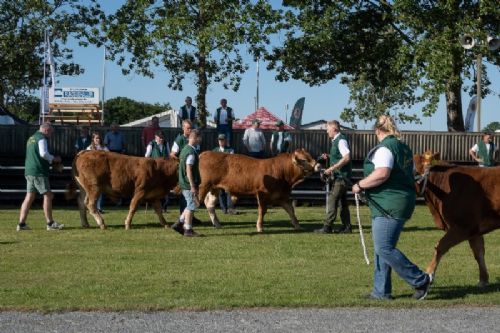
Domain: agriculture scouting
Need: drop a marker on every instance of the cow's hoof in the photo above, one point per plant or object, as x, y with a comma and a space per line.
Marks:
102, 226
217, 225
297, 227
86, 226
482, 284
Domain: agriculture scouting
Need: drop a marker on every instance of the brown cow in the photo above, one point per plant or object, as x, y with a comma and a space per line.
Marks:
121, 176
270, 180
465, 203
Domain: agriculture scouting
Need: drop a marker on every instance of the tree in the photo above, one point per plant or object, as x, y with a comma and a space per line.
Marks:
124, 110
492, 127
202, 39
393, 54
22, 43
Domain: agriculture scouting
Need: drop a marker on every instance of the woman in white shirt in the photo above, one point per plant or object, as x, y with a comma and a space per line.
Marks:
96, 144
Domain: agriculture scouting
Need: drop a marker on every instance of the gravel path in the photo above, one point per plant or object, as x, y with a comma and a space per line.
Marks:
461, 319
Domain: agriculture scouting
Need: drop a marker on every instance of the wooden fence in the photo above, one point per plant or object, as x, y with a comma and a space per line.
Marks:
453, 146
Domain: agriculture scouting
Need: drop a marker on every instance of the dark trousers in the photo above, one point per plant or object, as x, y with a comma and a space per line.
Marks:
225, 200
256, 154
227, 131
338, 197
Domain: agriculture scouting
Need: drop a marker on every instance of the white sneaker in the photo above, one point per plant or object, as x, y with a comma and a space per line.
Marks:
24, 227
55, 226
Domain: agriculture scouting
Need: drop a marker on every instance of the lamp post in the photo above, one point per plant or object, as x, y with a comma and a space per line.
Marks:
468, 42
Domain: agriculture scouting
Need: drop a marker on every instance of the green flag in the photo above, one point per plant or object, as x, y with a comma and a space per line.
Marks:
296, 117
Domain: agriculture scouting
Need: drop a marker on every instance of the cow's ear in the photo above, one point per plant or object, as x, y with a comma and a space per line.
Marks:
436, 156
294, 158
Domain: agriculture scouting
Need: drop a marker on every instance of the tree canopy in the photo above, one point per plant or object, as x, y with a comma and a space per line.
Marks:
391, 54
124, 110
22, 36
199, 40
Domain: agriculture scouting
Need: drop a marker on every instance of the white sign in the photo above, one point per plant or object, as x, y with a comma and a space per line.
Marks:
74, 96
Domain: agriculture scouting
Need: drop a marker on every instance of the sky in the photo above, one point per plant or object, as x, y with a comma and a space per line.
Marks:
322, 102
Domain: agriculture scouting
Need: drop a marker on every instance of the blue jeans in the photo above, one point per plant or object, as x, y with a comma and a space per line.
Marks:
385, 233
100, 200
227, 131
225, 200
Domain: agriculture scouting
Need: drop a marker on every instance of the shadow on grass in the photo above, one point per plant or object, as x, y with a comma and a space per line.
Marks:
456, 292
8, 242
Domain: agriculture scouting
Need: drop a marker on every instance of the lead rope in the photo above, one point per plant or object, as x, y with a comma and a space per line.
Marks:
356, 198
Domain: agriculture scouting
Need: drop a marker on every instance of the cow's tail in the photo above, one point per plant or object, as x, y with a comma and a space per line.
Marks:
72, 186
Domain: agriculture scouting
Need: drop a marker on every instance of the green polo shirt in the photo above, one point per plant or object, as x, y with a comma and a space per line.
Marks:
34, 164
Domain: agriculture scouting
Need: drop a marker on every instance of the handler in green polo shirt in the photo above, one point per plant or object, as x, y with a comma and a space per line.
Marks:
339, 172
189, 182
36, 172
390, 190
158, 147
484, 152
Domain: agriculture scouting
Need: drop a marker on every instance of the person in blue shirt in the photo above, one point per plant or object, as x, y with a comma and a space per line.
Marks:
114, 139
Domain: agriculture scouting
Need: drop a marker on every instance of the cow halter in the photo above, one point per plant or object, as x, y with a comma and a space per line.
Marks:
425, 176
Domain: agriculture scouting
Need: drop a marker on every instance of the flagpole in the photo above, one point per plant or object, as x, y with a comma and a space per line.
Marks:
41, 118
103, 85
257, 96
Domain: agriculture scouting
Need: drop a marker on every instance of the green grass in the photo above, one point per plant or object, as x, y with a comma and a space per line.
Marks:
151, 268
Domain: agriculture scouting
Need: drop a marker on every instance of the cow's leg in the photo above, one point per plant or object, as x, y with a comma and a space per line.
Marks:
210, 202
450, 239
262, 212
477, 245
159, 211
133, 207
82, 209
91, 200
288, 207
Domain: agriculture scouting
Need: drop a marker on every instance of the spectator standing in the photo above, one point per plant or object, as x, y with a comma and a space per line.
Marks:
280, 139
97, 144
114, 139
189, 182
254, 140
148, 133
390, 190
36, 171
226, 204
158, 147
189, 112
83, 140
484, 152
339, 174
224, 116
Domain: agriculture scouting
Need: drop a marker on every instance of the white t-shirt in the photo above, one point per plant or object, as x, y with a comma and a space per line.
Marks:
44, 150
475, 148
383, 158
223, 117
190, 158
343, 146
98, 147
149, 149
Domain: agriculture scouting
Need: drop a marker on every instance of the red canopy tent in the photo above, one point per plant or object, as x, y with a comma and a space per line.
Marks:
267, 118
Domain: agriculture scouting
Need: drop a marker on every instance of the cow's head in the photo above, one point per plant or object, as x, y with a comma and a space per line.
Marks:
425, 160
305, 162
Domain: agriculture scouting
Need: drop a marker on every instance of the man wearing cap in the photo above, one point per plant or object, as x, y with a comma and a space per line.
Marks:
223, 118
280, 139
254, 140
484, 152
226, 204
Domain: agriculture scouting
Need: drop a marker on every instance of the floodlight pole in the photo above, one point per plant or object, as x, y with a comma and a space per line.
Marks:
478, 90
